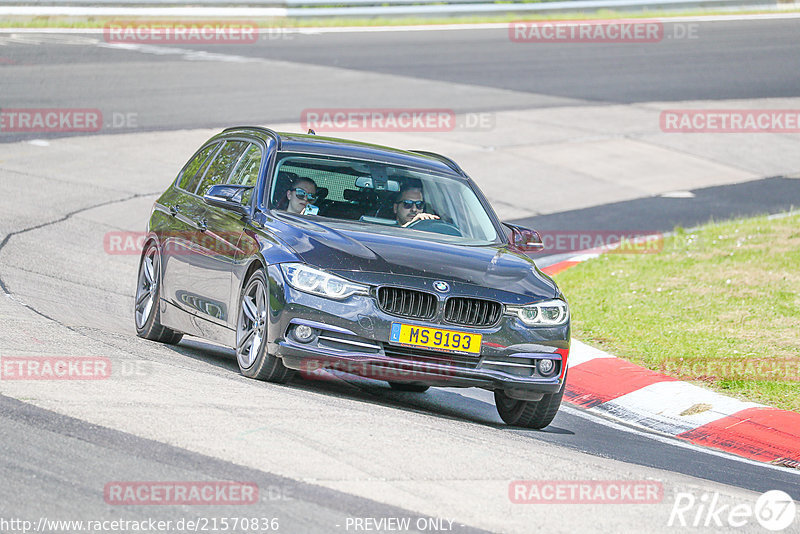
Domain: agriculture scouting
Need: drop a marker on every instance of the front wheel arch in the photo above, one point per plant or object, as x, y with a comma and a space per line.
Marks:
254, 266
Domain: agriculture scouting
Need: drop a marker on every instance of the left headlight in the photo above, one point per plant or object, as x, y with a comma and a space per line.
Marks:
549, 313
317, 282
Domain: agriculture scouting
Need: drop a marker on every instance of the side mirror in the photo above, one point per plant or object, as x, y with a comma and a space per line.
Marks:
524, 239
228, 197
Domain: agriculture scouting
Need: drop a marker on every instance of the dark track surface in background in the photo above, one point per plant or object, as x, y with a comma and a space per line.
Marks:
273, 80
660, 214
724, 60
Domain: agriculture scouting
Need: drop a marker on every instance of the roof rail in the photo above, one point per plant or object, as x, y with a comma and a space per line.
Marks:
267, 131
444, 159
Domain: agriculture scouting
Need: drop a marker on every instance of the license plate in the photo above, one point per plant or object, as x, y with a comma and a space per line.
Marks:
435, 338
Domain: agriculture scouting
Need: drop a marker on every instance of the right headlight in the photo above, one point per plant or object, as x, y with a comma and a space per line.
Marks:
318, 282
548, 313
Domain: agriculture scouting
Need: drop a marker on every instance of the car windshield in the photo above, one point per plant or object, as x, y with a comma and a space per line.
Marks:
377, 197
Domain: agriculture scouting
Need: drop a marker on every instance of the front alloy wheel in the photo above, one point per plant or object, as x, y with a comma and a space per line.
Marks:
251, 334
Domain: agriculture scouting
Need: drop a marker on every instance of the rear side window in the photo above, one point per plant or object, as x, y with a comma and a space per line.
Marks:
219, 169
246, 172
193, 170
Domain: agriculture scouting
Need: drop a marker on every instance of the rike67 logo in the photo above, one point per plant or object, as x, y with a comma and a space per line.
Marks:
774, 510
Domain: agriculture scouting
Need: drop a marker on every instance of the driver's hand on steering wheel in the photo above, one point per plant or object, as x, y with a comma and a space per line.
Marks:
421, 217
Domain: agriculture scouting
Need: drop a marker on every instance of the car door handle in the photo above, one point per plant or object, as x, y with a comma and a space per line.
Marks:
174, 210
202, 224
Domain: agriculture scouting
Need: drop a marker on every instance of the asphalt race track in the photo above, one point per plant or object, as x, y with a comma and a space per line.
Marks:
273, 79
574, 143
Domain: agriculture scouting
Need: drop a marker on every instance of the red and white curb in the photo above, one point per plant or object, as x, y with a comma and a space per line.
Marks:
607, 385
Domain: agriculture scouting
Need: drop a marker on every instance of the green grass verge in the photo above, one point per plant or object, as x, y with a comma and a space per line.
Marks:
100, 22
718, 306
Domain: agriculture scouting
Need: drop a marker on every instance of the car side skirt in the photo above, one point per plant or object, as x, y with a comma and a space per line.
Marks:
194, 325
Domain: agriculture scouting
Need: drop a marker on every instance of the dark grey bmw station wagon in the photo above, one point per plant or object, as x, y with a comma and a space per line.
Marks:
307, 253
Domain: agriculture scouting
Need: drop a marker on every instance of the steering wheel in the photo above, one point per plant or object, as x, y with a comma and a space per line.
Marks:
437, 226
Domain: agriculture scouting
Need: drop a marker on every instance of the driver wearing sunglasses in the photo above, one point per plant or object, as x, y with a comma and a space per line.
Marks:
302, 194
410, 206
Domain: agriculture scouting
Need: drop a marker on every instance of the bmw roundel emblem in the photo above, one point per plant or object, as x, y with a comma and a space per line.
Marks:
441, 287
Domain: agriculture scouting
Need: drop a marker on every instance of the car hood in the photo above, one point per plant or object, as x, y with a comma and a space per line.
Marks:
356, 253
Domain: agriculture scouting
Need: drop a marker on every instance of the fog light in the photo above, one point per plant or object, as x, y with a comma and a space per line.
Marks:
303, 333
546, 367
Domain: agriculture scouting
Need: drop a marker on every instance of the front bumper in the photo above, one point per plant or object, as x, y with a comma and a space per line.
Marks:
352, 336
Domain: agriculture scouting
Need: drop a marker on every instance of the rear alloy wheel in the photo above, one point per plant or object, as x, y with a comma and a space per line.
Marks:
251, 334
145, 309
411, 388
528, 414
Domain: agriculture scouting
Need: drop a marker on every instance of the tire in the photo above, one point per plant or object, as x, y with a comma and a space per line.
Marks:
528, 414
251, 334
411, 388
146, 313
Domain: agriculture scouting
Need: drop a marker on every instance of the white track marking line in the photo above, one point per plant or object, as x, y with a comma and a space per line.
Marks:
185, 53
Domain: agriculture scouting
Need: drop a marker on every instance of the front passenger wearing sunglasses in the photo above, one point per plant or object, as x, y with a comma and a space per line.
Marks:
410, 206
302, 196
